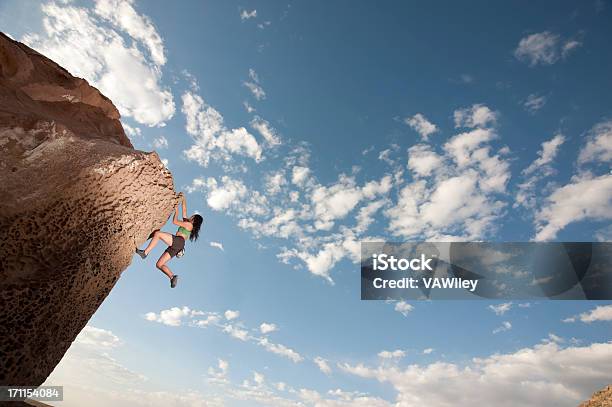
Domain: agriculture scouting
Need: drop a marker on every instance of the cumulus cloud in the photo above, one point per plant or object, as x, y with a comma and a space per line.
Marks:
583, 198
421, 125
228, 323
173, 316
544, 48
92, 44
539, 169
211, 138
396, 354
123, 15
599, 313
266, 328
547, 154
403, 308
454, 194
322, 365
92, 375
477, 115
97, 338
598, 148
280, 349
545, 375
266, 131
160, 142
423, 161
229, 314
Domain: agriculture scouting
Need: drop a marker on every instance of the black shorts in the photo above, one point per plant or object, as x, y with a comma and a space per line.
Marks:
178, 244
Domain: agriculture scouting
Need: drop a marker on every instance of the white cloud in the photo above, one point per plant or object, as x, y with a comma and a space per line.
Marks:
544, 48
173, 316
455, 192
217, 245
547, 154
599, 313
222, 196
477, 115
254, 86
230, 314
422, 160
421, 125
396, 354
91, 376
534, 102
132, 132
97, 338
266, 131
300, 175
248, 107
281, 350
160, 142
428, 351
266, 328
587, 196
403, 308
78, 39
537, 170
122, 14
569, 46
212, 139
236, 332
322, 365
275, 182
546, 375
247, 15
501, 309
256, 90
583, 198
505, 326
598, 147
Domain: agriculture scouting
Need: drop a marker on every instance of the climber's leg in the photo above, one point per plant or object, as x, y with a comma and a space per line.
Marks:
157, 236
161, 264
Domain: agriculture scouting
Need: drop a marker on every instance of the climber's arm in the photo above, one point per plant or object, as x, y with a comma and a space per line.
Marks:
184, 206
175, 219
178, 222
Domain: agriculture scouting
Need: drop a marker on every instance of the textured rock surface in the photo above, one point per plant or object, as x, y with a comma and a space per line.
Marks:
76, 200
602, 398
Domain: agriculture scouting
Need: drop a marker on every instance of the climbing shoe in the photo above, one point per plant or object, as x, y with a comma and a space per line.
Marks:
141, 253
173, 281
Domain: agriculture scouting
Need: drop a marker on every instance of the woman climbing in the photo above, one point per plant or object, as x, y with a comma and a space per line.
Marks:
189, 228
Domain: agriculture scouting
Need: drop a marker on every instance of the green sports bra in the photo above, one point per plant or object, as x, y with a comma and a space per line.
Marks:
184, 232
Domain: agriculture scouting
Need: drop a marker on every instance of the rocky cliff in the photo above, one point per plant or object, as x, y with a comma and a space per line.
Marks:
602, 398
76, 200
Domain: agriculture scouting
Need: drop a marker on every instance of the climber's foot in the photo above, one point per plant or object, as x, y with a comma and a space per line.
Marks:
141, 253
173, 281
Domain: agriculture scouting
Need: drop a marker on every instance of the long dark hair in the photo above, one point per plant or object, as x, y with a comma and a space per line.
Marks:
197, 222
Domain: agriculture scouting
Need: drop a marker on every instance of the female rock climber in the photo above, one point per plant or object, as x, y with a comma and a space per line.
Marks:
189, 228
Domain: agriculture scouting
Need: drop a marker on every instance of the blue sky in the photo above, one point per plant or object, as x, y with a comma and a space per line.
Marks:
297, 130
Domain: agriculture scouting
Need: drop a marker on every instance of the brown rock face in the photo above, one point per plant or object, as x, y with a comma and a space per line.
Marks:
76, 199
602, 398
